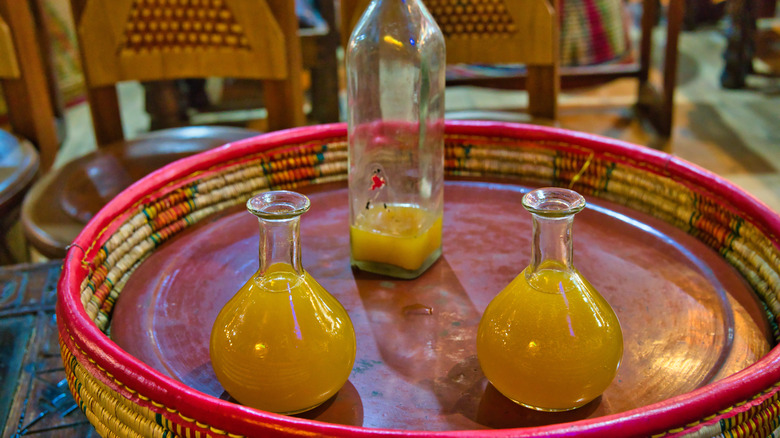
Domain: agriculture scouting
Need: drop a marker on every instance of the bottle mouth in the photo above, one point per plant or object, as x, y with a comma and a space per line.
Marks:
553, 202
278, 204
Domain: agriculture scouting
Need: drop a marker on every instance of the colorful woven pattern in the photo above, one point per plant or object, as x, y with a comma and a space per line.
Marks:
182, 25
472, 18
125, 399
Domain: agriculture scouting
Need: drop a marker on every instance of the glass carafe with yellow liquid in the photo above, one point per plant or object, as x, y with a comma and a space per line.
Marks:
549, 341
283, 343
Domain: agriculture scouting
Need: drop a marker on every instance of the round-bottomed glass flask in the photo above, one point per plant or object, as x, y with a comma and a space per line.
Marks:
549, 341
395, 66
283, 343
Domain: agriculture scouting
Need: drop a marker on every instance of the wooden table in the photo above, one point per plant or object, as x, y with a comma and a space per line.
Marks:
34, 395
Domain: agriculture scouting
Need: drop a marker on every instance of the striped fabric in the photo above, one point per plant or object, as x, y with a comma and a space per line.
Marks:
592, 31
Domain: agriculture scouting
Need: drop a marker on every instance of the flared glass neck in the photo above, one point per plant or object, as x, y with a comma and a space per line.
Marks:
279, 213
552, 210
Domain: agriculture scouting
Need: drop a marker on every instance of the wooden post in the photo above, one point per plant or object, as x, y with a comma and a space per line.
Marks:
29, 96
286, 93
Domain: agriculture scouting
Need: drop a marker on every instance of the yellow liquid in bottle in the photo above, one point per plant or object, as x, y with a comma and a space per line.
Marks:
282, 344
392, 235
550, 344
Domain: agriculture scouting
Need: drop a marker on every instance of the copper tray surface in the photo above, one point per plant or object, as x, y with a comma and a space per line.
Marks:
688, 317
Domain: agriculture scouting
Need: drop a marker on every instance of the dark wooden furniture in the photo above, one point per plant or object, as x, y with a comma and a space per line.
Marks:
18, 167
126, 40
655, 101
27, 77
505, 43
743, 38
62, 202
176, 103
319, 45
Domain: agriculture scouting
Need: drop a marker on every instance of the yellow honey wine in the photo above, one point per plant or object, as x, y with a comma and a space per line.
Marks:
550, 342
398, 235
283, 343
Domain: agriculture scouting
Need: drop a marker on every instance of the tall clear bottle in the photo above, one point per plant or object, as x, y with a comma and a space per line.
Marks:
395, 90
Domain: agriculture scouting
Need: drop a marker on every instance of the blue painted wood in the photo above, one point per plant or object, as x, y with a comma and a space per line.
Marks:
34, 395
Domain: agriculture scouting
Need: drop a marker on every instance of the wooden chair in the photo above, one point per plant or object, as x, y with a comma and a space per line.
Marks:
156, 40
495, 39
654, 101
18, 168
148, 40
319, 46
26, 77
175, 104
62, 201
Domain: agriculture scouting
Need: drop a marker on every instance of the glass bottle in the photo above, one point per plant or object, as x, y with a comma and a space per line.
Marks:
283, 343
395, 90
549, 341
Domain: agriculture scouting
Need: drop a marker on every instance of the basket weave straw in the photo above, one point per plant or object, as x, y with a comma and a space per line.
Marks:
125, 398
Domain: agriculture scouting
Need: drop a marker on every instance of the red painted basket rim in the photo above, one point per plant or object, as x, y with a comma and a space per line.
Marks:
658, 417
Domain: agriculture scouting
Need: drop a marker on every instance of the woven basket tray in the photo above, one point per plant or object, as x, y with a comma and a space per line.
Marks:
123, 396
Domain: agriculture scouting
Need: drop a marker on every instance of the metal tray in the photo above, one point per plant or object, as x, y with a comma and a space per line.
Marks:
688, 317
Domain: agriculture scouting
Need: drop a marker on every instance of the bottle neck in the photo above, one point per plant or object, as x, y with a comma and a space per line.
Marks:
280, 244
552, 246
395, 3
